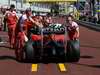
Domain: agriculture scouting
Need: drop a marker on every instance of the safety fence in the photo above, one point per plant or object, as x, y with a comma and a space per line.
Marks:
90, 25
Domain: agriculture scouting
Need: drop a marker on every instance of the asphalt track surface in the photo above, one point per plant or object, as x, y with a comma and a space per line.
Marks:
89, 63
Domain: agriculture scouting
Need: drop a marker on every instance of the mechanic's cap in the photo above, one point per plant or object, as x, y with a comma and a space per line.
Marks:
28, 10
12, 6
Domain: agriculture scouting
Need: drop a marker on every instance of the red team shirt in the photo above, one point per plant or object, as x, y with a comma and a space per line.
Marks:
11, 18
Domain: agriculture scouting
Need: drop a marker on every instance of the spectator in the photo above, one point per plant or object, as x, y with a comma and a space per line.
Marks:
4, 20
94, 19
98, 21
1, 18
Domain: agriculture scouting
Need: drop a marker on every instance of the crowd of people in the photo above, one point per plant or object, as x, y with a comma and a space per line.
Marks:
20, 26
89, 18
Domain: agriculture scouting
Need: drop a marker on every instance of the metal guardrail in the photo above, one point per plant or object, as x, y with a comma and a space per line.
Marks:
90, 25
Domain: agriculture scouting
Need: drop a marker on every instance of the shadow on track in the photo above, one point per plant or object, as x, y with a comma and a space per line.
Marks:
45, 61
7, 57
86, 57
90, 46
87, 65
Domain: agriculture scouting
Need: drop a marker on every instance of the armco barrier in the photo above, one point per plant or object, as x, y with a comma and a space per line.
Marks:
89, 25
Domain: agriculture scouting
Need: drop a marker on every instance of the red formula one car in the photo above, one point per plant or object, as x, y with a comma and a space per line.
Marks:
51, 43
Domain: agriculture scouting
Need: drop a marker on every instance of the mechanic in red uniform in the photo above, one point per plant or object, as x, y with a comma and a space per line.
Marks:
72, 27
25, 22
31, 21
11, 24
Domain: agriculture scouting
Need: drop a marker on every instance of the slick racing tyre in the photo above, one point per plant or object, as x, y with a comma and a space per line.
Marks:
73, 51
29, 51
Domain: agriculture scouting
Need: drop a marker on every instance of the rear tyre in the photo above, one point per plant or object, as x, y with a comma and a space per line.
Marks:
29, 51
73, 51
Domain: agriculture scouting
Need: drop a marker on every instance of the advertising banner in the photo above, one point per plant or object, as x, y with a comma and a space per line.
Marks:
50, 0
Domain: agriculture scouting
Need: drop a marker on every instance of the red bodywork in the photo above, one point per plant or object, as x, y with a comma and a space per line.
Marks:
53, 37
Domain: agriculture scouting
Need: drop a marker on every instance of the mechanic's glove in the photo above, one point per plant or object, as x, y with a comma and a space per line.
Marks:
25, 37
75, 37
